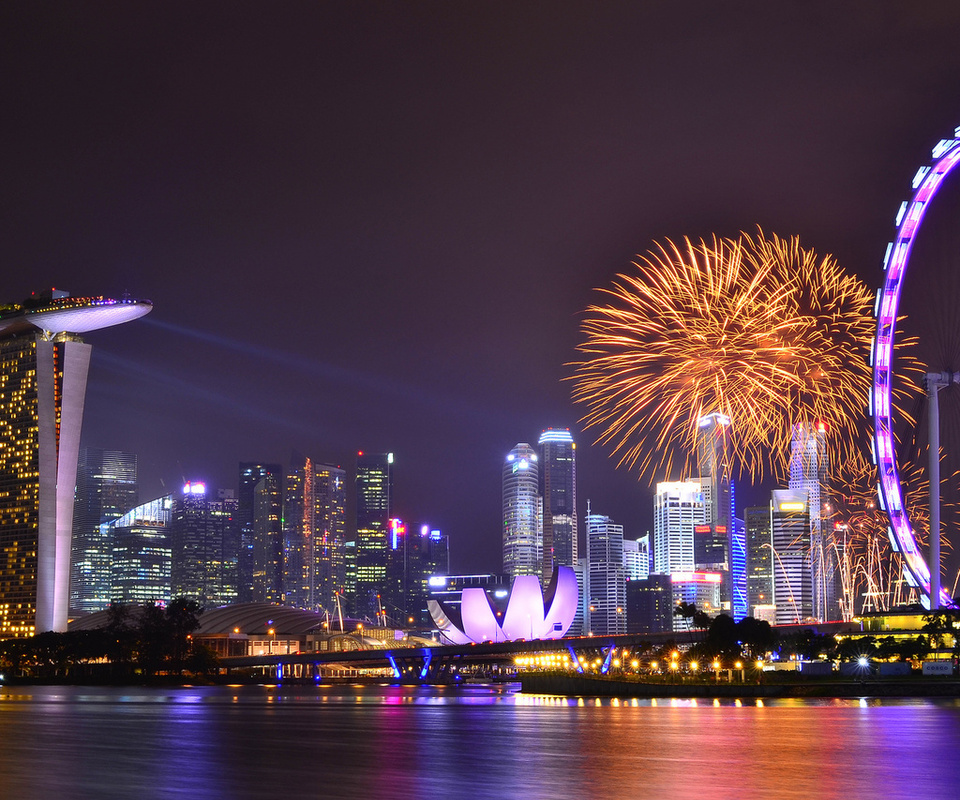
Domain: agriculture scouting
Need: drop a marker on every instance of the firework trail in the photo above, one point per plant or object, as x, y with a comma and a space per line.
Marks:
756, 328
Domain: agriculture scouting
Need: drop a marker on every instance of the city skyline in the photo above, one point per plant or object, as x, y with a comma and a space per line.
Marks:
393, 250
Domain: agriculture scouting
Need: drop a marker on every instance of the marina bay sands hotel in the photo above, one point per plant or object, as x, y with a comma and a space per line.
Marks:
43, 381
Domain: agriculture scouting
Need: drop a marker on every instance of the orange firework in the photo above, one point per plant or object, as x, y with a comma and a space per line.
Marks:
756, 328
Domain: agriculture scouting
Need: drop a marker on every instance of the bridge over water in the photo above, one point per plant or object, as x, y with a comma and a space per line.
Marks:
439, 664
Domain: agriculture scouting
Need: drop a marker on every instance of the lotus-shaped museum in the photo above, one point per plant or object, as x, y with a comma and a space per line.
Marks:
530, 614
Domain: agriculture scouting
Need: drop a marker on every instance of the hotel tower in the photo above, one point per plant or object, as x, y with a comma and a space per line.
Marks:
43, 380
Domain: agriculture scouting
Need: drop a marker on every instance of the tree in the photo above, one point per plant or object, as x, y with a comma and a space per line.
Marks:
183, 618
757, 635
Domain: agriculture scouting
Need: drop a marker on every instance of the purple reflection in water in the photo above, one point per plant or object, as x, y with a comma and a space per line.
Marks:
399, 742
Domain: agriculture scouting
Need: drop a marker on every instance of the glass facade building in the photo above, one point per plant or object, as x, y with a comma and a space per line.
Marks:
558, 488
374, 509
205, 544
759, 557
678, 507
607, 579
260, 519
106, 489
141, 556
790, 537
809, 472
522, 512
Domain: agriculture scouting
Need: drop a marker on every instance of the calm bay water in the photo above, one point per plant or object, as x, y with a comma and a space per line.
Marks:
469, 742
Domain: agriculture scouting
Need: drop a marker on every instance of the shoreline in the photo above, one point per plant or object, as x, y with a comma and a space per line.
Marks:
583, 686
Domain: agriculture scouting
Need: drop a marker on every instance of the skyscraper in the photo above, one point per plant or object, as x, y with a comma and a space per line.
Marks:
374, 509
558, 488
106, 489
329, 554
427, 556
43, 364
716, 478
260, 568
809, 472
759, 557
205, 545
608, 583
790, 536
140, 569
522, 536
315, 519
636, 558
650, 605
678, 508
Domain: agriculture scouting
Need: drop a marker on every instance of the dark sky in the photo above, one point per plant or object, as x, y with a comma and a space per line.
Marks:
375, 225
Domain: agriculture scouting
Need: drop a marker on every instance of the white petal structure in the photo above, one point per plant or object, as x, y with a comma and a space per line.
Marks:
530, 614
479, 618
450, 633
524, 615
561, 600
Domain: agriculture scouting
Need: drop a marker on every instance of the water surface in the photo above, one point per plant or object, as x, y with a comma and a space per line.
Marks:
476, 742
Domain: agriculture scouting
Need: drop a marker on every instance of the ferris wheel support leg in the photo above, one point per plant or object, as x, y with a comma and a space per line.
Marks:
934, 382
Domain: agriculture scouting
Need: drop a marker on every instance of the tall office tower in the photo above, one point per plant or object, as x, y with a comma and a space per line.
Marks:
314, 512
415, 554
329, 561
522, 512
140, 572
636, 558
716, 477
106, 489
250, 569
43, 364
346, 600
298, 522
759, 557
678, 507
428, 556
740, 600
608, 583
267, 524
650, 605
205, 545
374, 509
792, 575
809, 471
392, 595
558, 488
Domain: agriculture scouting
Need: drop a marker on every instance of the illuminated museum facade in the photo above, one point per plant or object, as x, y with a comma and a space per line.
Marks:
531, 613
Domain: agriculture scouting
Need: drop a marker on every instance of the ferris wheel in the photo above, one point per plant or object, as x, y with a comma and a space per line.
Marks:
946, 155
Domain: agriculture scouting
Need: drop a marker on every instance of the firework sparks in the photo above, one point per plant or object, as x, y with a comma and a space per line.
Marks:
756, 328
871, 572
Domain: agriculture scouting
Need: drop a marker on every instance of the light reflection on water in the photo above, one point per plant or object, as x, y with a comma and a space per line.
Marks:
390, 742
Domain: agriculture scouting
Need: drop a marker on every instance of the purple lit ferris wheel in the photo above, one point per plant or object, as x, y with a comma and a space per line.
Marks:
946, 155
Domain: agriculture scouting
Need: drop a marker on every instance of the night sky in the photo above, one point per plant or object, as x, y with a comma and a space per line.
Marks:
375, 225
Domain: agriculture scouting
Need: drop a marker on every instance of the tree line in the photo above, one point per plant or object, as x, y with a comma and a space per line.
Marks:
138, 641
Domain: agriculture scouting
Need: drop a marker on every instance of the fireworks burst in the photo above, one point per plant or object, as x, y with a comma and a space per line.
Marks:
871, 572
756, 328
